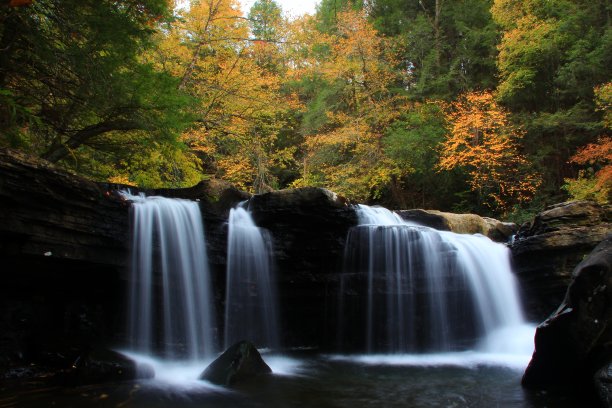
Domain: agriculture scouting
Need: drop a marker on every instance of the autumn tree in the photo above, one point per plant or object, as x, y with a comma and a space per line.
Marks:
240, 111
484, 142
349, 108
551, 56
594, 179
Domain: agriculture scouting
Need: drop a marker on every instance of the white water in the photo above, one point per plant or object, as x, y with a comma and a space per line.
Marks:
250, 305
176, 376
432, 291
170, 303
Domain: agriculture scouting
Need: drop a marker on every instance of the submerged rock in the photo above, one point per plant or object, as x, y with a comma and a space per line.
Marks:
573, 347
239, 363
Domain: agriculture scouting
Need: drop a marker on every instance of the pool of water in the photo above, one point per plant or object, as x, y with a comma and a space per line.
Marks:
313, 380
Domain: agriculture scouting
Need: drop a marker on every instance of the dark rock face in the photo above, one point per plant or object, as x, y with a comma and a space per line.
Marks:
239, 363
603, 385
546, 252
575, 343
63, 243
309, 227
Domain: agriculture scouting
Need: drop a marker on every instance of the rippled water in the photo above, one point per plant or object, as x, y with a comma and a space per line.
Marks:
467, 379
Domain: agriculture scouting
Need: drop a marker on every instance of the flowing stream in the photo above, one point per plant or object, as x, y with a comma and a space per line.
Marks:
439, 323
250, 300
417, 289
170, 303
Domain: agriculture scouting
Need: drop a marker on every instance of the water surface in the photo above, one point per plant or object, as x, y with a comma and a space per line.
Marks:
469, 379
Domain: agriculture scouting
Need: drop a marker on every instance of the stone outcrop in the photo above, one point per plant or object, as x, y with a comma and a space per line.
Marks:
461, 223
63, 243
573, 347
546, 251
241, 362
309, 227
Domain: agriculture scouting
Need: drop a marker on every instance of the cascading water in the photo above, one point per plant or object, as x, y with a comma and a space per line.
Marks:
419, 289
171, 310
250, 310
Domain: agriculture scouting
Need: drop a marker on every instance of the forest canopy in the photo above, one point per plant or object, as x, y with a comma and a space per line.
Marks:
495, 107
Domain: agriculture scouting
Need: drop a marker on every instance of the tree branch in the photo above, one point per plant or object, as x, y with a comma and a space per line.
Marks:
60, 150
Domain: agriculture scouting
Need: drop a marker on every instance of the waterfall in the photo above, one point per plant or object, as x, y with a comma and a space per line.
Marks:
418, 289
250, 303
170, 302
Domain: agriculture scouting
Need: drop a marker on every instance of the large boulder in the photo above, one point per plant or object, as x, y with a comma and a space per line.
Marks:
573, 347
546, 251
461, 223
241, 362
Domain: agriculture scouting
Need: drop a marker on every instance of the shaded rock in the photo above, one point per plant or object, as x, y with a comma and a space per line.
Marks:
101, 365
64, 247
461, 223
545, 252
239, 363
73, 366
51, 215
575, 342
309, 227
603, 385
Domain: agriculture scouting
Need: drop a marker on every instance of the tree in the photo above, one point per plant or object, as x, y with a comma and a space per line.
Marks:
411, 142
73, 74
447, 46
483, 141
328, 12
241, 111
551, 56
595, 181
352, 104
265, 18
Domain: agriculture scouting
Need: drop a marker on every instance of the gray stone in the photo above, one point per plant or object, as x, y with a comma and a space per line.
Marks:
240, 363
546, 251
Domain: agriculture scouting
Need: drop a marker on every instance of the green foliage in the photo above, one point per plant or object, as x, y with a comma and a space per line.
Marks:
411, 141
351, 99
585, 187
73, 71
551, 56
445, 52
265, 17
328, 10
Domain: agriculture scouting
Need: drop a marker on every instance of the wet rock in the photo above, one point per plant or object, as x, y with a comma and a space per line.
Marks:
575, 342
546, 251
238, 364
461, 223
